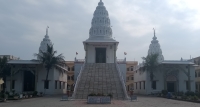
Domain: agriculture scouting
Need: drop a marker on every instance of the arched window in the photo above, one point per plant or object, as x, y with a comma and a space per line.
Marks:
69, 69
73, 68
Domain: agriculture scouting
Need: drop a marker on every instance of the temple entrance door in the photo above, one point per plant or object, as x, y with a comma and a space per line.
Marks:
100, 55
171, 86
171, 83
29, 81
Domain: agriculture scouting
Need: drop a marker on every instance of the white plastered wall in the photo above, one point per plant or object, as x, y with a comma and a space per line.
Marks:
91, 54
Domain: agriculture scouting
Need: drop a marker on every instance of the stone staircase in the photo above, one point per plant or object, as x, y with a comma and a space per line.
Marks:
99, 78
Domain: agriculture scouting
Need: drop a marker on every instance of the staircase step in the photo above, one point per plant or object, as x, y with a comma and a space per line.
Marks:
99, 78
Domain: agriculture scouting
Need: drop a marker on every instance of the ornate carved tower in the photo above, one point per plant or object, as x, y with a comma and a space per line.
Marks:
100, 47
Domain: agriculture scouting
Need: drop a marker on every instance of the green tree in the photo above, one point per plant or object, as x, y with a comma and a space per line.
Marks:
4, 70
151, 65
49, 60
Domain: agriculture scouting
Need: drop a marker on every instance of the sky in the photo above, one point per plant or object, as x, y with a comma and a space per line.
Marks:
177, 22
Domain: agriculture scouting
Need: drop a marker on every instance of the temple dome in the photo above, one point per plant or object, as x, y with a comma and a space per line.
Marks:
100, 26
154, 48
46, 40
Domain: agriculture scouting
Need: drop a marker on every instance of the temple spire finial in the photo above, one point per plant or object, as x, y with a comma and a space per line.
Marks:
47, 30
154, 32
100, 0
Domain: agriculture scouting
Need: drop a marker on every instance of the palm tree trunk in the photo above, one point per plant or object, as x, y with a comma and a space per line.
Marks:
46, 78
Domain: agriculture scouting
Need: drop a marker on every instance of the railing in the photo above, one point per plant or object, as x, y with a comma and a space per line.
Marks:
79, 60
185, 60
122, 81
77, 81
121, 60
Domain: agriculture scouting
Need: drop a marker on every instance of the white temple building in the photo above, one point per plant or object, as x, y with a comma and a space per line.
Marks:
29, 75
100, 71
173, 75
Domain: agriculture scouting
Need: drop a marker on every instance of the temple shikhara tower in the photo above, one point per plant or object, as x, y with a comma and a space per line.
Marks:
100, 47
100, 73
154, 48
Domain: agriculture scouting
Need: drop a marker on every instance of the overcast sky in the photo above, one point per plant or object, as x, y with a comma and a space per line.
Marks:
177, 22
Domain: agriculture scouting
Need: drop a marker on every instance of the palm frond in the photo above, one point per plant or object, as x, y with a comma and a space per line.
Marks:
151, 64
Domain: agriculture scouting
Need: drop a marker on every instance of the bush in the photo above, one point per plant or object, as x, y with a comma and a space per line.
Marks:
16, 94
164, 92
110, 95
184, 97
189, 93
194, 98
1, 95
35, 93
92, 94
99, 94
7, 93
180, 93
197, 94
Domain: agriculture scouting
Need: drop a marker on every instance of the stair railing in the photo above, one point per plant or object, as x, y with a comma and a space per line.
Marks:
122, 81
77, 81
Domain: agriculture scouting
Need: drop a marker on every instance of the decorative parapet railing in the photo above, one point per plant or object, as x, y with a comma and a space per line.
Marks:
122, 81
79, 60
121, 60
78, 80
184, 60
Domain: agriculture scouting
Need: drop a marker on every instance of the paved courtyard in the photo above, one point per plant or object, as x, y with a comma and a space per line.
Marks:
55, 102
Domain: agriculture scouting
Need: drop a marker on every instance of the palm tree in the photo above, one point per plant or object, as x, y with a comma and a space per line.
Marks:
4, 70
49, 60
151, 65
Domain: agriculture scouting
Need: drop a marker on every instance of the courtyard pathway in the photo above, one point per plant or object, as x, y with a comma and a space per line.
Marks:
55, 102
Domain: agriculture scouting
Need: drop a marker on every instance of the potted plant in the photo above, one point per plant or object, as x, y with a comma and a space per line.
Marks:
13, 91
164, 93
30, 95
41, 94
21, 96
26, 95
35, 93
16, 96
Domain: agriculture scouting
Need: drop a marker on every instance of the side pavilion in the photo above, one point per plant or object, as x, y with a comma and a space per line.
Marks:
29, 76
